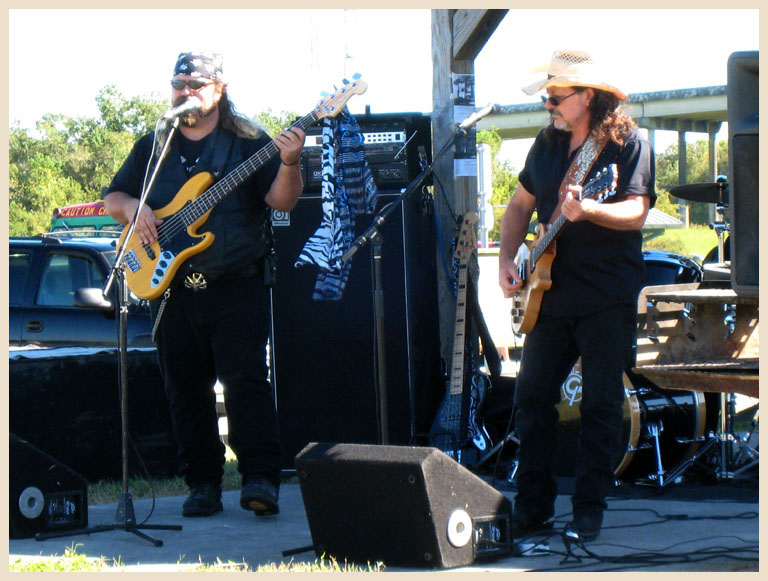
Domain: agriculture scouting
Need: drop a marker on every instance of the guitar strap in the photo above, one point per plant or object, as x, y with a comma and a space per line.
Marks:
492, 358
579, 170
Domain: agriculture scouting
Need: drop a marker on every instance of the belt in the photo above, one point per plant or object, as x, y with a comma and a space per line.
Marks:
197, 281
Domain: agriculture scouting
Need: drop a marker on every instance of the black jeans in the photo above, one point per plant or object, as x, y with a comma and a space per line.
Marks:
222, 332
604, 341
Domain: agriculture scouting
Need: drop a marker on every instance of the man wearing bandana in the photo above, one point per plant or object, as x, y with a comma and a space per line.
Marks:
214, 320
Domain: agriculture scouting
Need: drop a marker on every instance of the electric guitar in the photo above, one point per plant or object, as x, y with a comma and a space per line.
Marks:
151, 267
456, 428
534, 258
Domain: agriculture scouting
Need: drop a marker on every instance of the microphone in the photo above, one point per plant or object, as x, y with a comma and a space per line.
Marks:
187, 106
477, 115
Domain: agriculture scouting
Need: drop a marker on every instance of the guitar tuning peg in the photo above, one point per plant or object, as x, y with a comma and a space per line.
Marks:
356, 76
345, 81
324, 93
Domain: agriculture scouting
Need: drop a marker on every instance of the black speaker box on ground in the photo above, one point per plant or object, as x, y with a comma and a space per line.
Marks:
401, 505
324, 352
45, 495
743, 141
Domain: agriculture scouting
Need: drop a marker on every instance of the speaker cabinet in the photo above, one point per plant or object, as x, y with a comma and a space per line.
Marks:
45, 495
324, 352
743, 136
403, 506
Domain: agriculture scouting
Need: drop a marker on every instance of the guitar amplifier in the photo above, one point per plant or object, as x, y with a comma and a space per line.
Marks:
395, 146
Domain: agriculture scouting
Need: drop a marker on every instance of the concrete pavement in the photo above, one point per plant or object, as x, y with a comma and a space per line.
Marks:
679, 528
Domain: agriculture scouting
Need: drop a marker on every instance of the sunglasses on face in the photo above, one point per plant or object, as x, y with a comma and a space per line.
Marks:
555, 101
194, 85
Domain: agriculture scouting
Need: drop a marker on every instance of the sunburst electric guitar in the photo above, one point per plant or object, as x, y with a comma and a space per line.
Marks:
534, 258
150, 268
456, 429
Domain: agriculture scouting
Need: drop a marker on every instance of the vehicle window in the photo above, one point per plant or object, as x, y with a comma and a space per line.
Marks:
62, 275
18, 267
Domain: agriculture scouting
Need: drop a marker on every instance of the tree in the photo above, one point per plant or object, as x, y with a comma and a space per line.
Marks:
504, 181
75, 157
697, 160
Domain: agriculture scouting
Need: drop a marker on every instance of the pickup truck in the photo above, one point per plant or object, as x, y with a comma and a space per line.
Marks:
45, 271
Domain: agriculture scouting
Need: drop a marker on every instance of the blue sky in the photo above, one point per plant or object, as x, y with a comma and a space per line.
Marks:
284, 59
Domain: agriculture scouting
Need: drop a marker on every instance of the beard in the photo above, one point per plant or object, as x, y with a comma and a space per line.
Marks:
192, 118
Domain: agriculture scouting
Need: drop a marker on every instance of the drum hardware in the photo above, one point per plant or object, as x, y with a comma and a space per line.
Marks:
734, 455
729, 319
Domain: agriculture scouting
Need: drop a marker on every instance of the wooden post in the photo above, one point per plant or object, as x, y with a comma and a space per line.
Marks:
457, 37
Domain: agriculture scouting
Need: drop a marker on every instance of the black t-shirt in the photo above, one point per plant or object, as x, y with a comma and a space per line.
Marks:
239, 220
594, 266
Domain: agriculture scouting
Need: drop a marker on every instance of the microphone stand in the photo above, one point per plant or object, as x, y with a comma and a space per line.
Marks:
373, 235
125, 518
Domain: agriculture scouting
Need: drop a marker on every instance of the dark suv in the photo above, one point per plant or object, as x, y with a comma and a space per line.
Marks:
44, 273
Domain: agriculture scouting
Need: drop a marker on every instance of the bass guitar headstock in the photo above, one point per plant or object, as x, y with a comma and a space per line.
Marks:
332, 104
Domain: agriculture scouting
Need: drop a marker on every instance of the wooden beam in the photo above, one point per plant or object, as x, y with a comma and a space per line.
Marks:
472, 29
457, 37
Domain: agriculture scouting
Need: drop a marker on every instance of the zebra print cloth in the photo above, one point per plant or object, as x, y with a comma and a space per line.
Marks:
347, 191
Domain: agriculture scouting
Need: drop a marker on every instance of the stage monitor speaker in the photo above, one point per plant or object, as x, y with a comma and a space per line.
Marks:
324, 352
45, 495
400, 505
743, 132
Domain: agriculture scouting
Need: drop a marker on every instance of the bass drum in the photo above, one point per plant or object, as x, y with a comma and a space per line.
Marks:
663, 267
680, 419
678, 414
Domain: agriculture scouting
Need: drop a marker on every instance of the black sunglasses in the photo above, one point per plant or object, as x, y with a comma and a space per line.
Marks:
194, 85
555, 101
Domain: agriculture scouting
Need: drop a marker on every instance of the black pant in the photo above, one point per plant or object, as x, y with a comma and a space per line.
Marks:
222, 332
604, 341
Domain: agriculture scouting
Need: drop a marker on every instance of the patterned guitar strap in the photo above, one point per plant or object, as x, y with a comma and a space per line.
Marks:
580, 167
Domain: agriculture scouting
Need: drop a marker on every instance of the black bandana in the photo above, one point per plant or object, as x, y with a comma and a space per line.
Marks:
200, 64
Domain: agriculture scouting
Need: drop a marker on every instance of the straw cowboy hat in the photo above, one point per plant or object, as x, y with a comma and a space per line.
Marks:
572, 68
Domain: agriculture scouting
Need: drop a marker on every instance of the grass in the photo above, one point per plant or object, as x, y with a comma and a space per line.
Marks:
108, 491
74, 561
695, 241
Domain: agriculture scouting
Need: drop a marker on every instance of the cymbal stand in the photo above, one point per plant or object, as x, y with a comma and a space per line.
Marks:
720, 226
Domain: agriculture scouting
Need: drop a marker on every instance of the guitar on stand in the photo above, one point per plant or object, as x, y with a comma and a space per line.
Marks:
151, 267
534, 259
456, 429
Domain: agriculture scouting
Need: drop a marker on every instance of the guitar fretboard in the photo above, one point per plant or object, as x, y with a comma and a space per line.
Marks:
457, 372
232, 180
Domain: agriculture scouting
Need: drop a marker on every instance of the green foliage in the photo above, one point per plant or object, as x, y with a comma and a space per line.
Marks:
275, 123
505, 178
70, 159
697, 160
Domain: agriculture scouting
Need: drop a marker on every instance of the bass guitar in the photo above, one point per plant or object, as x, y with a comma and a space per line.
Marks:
150, 268
534, 258
456, 429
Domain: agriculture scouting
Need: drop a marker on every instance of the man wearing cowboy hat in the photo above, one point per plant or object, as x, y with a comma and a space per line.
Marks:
597, 273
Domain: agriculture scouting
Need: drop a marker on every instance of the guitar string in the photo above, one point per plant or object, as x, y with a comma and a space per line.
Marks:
191, 212
172, 227
555, 227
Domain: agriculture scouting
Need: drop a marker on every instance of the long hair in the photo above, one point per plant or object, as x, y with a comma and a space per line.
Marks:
229, 118
234, 121
607, 118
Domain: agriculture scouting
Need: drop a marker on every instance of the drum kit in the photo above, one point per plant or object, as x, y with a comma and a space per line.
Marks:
666, 431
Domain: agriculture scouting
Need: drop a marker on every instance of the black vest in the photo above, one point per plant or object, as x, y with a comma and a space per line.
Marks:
239, 222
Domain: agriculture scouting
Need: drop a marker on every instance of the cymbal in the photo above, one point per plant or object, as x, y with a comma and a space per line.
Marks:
707, 192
